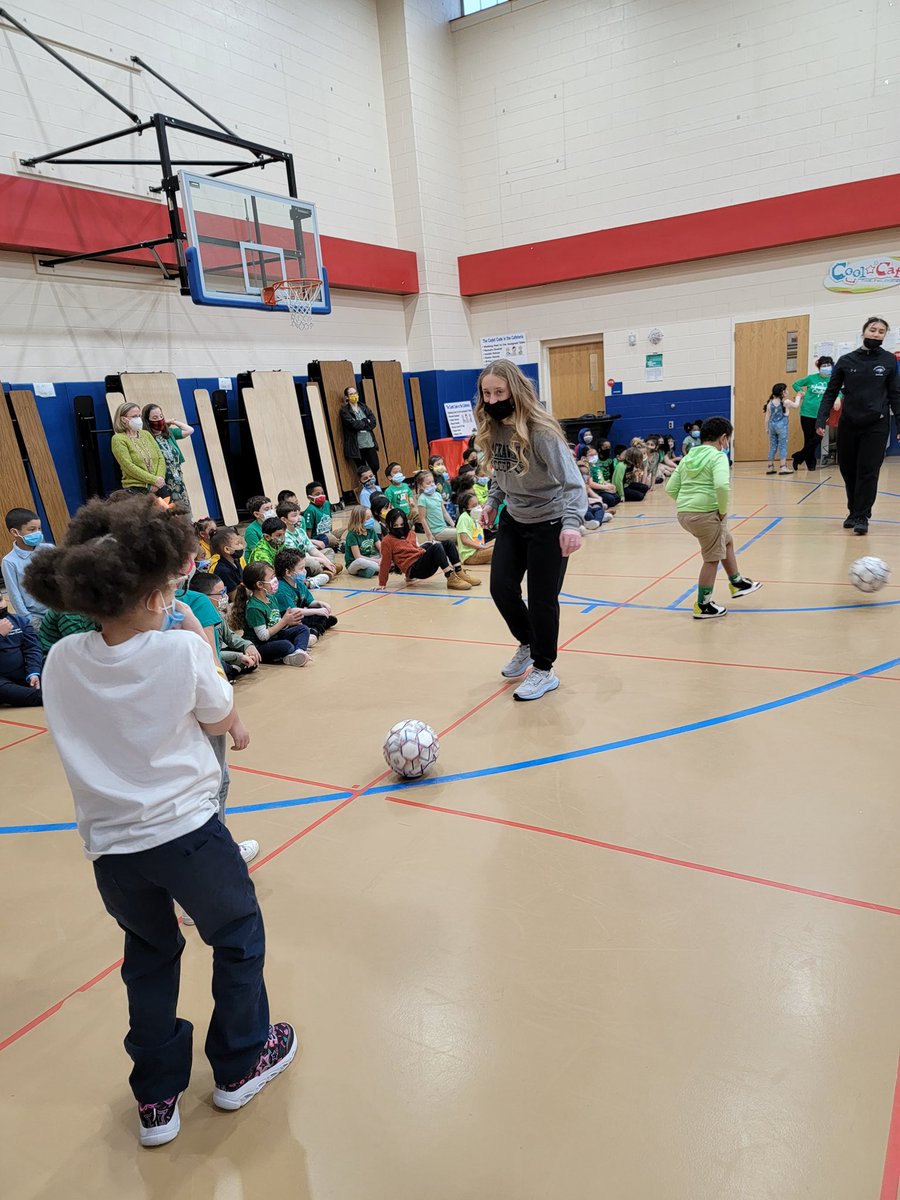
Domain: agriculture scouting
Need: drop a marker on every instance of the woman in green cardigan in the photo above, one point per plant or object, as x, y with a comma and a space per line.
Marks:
137, 453
167, 435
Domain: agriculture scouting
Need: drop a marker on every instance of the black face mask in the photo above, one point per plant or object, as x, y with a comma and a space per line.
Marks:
606, 451
872, 343
500, 409
400, 531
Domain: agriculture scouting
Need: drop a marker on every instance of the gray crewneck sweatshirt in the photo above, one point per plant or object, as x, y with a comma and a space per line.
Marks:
551, 490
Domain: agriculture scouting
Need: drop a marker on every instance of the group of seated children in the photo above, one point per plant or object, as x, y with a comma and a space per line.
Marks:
624, 473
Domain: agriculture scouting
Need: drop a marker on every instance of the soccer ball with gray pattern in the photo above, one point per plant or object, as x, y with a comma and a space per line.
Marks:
410, 748
869, 574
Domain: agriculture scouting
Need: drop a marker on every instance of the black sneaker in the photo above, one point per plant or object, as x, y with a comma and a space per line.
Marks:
743, 587
159, 1122
850, 523
703, 612
861, 526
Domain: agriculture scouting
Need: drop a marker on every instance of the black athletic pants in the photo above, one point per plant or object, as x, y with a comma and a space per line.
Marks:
531, 550
438, 556
367, 457
811, 440
860, 455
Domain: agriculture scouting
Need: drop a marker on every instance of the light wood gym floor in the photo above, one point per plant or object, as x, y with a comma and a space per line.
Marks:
636, 941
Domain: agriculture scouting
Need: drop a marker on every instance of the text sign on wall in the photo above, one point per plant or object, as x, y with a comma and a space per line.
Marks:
863, 274
504, 345
460, 418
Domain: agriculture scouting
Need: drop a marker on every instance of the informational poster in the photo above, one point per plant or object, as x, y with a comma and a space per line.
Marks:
44, 389
224, 383
653, 368
504, 345
824, 349
460, 418
845, 348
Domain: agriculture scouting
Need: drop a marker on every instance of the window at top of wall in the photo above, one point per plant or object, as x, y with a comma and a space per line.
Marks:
474, 6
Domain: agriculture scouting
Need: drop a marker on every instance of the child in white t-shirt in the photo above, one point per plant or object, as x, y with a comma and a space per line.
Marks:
131, 710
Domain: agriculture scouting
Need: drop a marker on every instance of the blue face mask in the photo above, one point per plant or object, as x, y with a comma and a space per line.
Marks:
695, 434
33, 539
429, 490
172, 618
825, 372
482, 479
397, 477
370, 522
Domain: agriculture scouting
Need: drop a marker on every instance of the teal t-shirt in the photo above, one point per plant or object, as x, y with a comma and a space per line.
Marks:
260, 612
815, 389
400, 496
205, 612
252, 534
434, 511
365, 541
292, 595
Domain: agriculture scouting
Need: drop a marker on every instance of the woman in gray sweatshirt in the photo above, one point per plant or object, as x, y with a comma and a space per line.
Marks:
535, 474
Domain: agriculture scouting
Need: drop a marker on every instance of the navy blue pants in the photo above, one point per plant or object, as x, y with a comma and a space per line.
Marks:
204, 872
289, 639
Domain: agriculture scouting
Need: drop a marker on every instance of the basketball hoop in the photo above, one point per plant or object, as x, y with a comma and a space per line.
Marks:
299, 295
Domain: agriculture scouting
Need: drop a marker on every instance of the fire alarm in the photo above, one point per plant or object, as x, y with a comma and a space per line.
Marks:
655, 336
632, 339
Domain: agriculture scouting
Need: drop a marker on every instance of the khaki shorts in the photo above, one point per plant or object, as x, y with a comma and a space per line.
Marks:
711, 531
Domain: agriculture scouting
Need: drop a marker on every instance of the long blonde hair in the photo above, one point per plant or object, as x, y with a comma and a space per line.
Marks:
119, 418
527, 416
357, 522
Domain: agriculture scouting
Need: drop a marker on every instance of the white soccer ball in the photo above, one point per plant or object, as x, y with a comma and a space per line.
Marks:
869, 574
410, 748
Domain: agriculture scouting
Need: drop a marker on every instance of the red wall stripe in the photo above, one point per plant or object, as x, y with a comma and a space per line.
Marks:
781, 221
38, 216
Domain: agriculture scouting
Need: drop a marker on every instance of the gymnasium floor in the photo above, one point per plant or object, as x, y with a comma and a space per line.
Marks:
636, 941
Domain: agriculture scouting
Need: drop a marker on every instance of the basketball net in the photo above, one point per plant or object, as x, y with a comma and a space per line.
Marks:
299, 295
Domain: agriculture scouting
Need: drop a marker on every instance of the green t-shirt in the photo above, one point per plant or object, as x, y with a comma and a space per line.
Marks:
602, 469
469, 526
260, 612
400, 496
57, 625
252, 534
318, 521
434, 511
293, 595
815, 389
295, 538
365, 541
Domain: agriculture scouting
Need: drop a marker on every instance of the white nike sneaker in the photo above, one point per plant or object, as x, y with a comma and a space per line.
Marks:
518, 664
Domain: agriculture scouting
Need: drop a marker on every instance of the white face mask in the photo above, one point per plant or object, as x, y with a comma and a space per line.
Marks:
270, 512
222, 602
135, 423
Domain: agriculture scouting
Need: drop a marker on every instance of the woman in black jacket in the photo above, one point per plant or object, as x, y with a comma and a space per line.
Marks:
869, 380
359, 421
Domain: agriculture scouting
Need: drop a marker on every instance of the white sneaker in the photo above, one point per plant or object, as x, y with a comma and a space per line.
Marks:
299, 658
537, 683
318, 580
248, 849
607, 517
312, 640
518, 664
591, 525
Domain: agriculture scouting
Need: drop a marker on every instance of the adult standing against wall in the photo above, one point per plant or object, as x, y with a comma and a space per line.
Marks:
535, 474
813, 389
137, 453
167, 435
359, 421
869, 380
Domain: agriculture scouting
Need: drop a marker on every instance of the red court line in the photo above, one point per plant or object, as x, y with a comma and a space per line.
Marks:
890, 1180
421, 637
631, 599
650, 857
332, 787
357, 792
19, 741
24, 725
362, 603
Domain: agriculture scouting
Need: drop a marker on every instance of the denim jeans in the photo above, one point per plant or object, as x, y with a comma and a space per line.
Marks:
778, 439
204, 872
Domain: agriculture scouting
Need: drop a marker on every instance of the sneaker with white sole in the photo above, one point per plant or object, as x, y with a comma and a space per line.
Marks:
743, 587
318, 580
299, 658
590, 526
248, 849
537, 684
277, 1054
703, 612
518, 664
160, 1122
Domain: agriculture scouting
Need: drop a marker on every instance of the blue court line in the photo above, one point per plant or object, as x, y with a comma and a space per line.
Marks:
740, 550
815, 489
67, 826
640, 739
530, 763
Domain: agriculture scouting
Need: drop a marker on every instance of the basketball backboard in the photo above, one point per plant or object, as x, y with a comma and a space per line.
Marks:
241, 241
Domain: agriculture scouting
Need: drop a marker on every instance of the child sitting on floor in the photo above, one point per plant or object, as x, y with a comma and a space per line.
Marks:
259, 508
55, 626
320, 568
227, 560
399, 548
270, 543
25, 527
629, 476
433, 513
318, 519
294, 595
237, 654
205, 530
20, 661
400, 493
255, 613
362, 544
473, 551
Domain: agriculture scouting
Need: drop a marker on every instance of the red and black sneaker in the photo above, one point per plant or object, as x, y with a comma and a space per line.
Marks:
160, 1122
277, 1054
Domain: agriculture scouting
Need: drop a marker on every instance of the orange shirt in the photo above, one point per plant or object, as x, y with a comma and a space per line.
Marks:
399, 552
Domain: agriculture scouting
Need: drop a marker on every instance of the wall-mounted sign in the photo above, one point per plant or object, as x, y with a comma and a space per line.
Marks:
863, 274
460, 418
653, 368
504, 345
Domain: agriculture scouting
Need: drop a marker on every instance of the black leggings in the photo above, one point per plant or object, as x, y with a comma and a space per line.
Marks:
811, 440
367, 456
438, 556
636, 491
533, 550
860, 455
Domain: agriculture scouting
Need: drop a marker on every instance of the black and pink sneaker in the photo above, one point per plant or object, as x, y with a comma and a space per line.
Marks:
160, 1122
278, 1053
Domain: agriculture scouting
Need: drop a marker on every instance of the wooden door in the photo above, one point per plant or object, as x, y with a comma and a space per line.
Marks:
765, 353
576, 379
